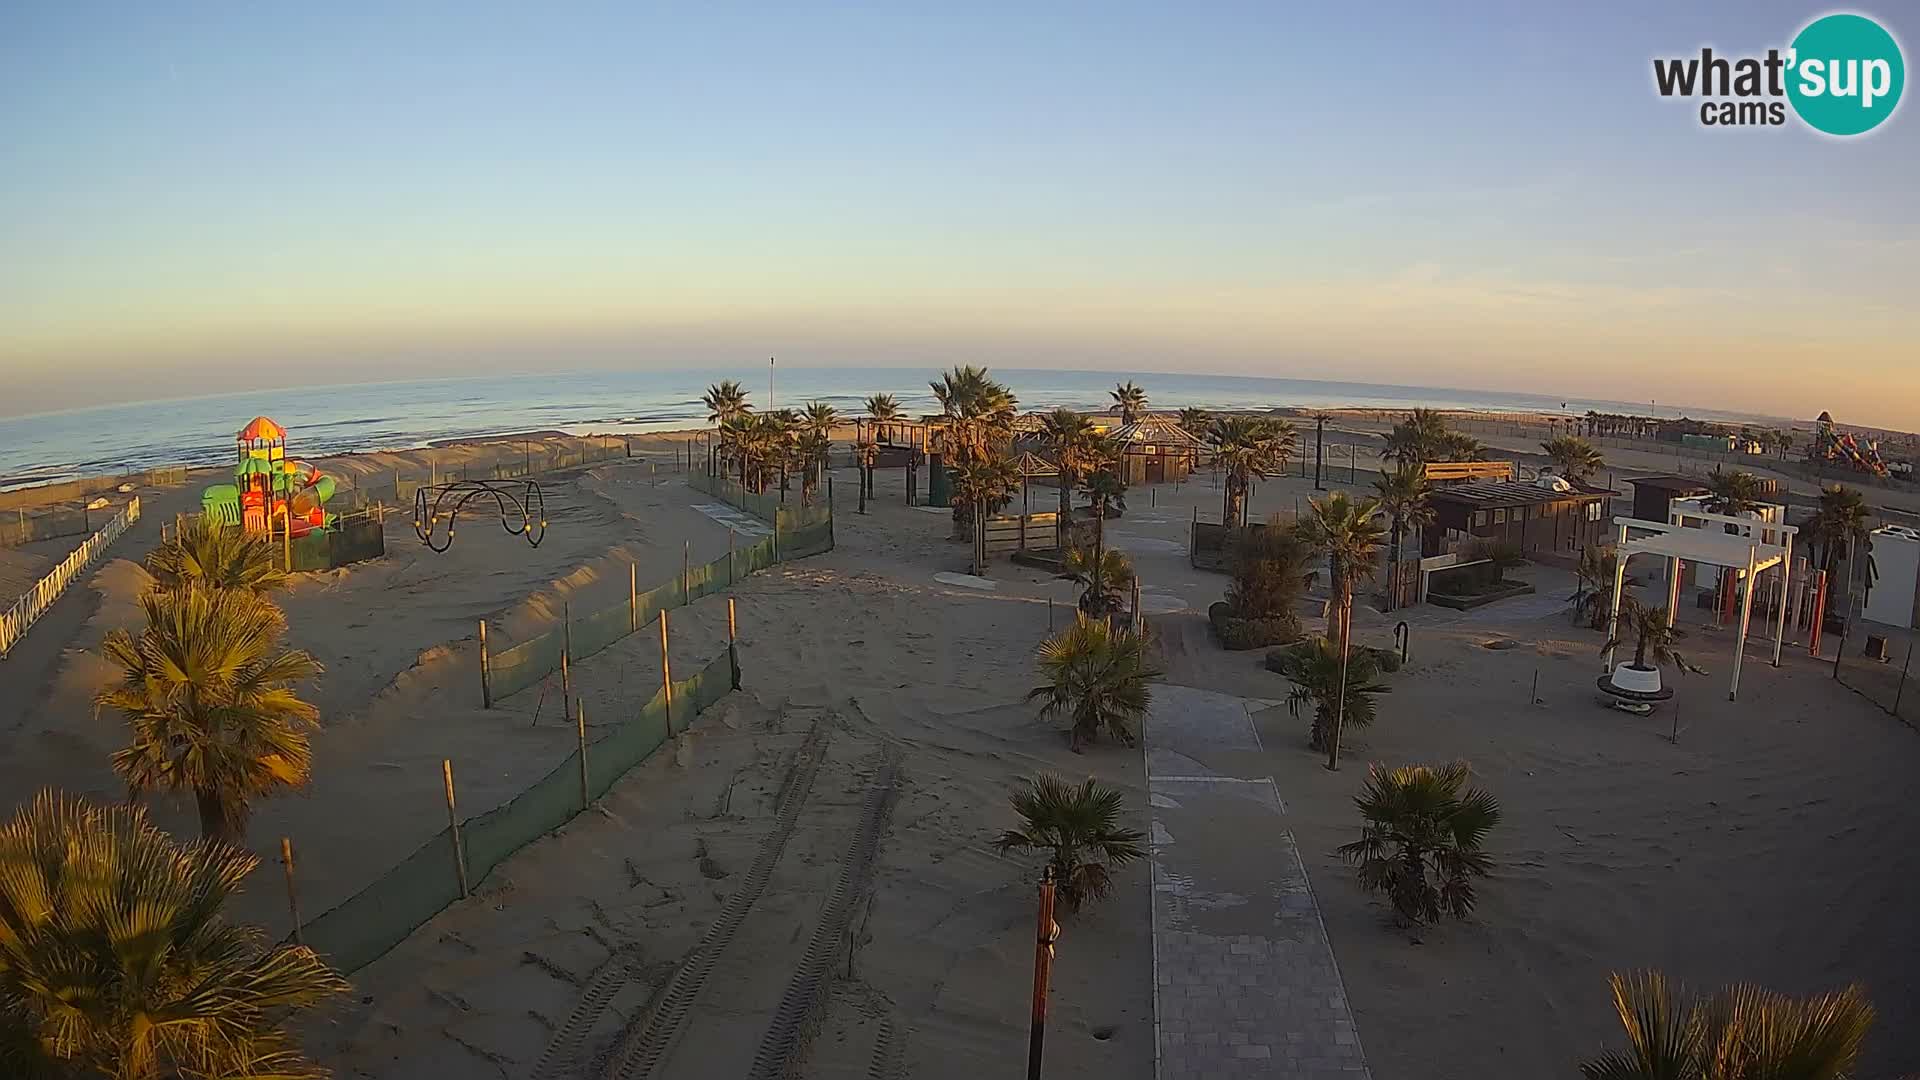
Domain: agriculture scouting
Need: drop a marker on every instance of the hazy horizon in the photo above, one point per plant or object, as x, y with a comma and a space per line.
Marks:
202, 198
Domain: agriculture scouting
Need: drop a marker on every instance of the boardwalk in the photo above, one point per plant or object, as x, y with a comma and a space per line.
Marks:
1245, 980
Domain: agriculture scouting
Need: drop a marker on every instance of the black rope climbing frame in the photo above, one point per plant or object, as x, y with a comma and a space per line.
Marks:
523, 509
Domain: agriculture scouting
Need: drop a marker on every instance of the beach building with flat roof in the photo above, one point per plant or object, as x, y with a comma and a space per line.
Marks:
1551, 518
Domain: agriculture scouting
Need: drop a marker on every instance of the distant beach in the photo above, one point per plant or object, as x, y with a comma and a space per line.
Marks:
51, 447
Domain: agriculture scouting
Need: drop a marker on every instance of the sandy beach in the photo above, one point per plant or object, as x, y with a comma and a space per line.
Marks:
879, 700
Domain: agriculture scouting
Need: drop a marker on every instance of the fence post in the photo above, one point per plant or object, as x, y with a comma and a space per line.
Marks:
732, 574
453, 826
633, 598
566, 658
293, 897
666, 671
486, 670
732, 648
586, 799
776, 534
686, 571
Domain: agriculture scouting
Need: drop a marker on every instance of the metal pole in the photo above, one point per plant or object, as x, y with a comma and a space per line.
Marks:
633, 598
293, 896
686, 571
1319, 450
1046, 932
1901, 690
1746, 619
732, 575
733, 649
580, 728
453, 827
486, 670
566, 658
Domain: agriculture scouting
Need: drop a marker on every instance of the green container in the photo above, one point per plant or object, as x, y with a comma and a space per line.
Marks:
939, 482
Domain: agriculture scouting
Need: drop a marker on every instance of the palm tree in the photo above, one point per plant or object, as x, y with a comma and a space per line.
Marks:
1130, 400
725, 401
883, 408
1315, 673
1420, 438
985, 485
1742, 1033
738, 435
1732, 491
1097, 678
1459, 446
1594, 574
817, 422
218, 556
979, 416
1348, 534
1079, 828
205, 690
115, 959
1196, 421
1421, 842
1248, 448
1403, 495
1653, 636
779, 442
1269, 571
1841, 523
1107, 576
1077, 449
1574, 456
1104, 491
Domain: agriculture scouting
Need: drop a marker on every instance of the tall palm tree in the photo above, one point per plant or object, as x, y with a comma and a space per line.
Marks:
1196, 421
1403, 495
1079, 827
1317, 680
1420, 438
725, 401
205, 691
1130, 400
1842, 522
1574, 456
1096, 678
218, 556
739, 438
1077, 448
883, 408
115, 959
1104, 491
978, 415
985, 485
817, 422
1732, 491
1422, 840
1348, 534
1248, 448
1743, 1032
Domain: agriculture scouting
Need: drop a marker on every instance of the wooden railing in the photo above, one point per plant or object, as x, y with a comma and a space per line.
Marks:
28, 609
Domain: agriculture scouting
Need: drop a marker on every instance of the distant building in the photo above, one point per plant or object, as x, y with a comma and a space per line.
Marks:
1549, 518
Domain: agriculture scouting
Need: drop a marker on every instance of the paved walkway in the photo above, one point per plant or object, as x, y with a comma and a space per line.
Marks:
1245, 980
737, 520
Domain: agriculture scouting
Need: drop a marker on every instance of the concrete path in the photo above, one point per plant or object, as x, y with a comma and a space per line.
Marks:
1245, 980
737, 520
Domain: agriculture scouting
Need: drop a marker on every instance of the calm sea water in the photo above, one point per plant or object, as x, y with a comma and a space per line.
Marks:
383, 416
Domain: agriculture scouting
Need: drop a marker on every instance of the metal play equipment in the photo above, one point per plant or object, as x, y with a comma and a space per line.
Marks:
522, 507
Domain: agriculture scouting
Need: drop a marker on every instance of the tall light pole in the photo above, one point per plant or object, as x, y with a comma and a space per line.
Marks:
769, 382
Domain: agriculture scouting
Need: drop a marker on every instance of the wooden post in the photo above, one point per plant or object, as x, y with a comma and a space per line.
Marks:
666, 671
1049, 614
453, 826
286, 518
733, 651
1046, 932
486, 670
686, 571
566, 658
293, 896
633, 598
580, 727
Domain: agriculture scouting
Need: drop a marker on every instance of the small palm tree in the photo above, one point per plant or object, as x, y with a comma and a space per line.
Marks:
1130, 400
1078, 450
115, 960
1316, 677
1420, 438
1742, 1033
1269, 571
1247, 448
883, 408
1574, 456
1403, 495
1422, 839
1594, 574
1732, 491
1107, 576
1459, 446
1097, 678
1196, 421
1652, 637
1841, 522
217, 556
1079, 827
205, 690
725, 401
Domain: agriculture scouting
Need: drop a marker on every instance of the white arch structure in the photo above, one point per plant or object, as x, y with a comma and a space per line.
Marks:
1745, 551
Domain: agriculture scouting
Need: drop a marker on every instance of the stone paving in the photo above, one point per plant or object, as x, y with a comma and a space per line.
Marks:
1245, 979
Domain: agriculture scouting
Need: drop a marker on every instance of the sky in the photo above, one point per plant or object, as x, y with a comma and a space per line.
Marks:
197, 198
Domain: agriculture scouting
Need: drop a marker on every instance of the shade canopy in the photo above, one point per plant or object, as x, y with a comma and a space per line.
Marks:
261, 429
1705, 546
1159, 432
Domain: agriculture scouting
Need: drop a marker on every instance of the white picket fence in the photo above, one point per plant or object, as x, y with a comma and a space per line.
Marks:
25, 611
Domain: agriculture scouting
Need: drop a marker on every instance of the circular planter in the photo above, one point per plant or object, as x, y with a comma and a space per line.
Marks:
1636, 680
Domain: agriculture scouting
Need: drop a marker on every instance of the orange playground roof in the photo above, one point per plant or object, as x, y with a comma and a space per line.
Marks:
261, 429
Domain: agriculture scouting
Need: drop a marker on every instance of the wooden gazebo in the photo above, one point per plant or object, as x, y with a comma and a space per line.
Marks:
1157, 450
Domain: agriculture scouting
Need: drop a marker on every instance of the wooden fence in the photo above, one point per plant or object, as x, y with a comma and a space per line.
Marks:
1022, 532
28, 609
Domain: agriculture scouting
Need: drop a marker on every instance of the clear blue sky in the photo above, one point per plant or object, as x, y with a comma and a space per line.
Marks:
233, 196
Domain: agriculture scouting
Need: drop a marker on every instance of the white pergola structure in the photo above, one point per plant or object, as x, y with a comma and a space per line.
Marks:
1745, 550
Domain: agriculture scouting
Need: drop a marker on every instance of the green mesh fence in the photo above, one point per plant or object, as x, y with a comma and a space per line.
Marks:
526, 663
380, 916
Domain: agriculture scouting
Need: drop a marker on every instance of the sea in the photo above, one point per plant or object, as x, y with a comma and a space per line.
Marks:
322, 420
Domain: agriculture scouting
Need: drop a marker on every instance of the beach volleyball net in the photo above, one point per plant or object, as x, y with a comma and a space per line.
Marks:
364, 927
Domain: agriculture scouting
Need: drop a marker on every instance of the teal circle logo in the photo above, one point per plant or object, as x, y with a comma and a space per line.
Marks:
1845, 74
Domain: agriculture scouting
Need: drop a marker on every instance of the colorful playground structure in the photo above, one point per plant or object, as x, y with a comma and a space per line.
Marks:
1842, 448
270, 495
